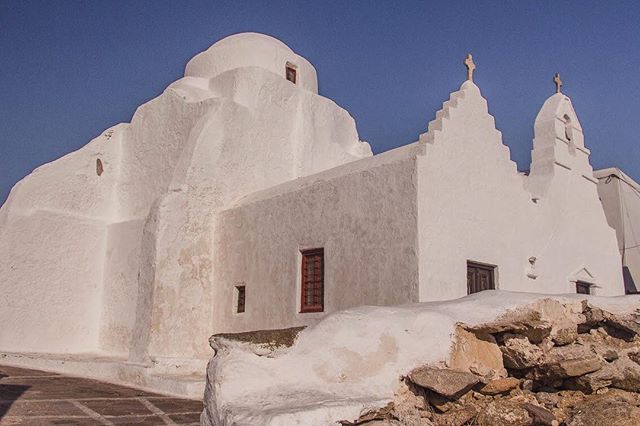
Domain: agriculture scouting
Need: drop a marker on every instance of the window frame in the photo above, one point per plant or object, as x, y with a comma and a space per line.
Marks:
585, 285
306, 256
241, 299
492, 269
290, 68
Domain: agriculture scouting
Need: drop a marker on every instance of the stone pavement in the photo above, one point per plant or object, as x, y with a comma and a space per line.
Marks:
34, 398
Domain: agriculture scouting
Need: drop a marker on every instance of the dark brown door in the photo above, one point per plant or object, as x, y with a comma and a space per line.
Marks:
479, 277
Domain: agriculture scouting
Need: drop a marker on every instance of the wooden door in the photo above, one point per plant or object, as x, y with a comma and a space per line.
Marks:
479, 277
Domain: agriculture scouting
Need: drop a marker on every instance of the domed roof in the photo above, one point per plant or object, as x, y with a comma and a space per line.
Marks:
254, 39
252, 50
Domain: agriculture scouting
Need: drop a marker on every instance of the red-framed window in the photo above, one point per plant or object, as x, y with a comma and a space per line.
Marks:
291, 74
312, 297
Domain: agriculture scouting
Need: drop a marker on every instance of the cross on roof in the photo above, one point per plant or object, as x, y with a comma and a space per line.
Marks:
558, 82
468, 62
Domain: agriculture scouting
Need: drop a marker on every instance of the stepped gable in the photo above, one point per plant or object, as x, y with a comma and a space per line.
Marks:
466, 108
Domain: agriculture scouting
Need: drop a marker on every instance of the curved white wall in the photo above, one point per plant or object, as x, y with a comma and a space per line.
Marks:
252, 50
100, 262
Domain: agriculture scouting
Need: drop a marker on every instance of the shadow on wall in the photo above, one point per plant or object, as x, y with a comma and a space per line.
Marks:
8, 395
629, 285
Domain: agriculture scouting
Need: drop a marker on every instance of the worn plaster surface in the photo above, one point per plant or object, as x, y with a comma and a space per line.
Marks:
121, 259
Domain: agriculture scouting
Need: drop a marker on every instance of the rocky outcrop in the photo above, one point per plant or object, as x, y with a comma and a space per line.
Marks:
493, 358
448, 383
553, 363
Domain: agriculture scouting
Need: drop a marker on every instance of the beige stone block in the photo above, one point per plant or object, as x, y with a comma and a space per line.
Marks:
481, 356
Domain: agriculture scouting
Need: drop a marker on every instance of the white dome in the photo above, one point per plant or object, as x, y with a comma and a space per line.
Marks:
252, 50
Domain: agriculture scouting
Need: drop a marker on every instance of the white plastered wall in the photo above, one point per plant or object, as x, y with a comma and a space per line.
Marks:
574, 241
472, 202
542, 232
145, 257
125, 257
52, 245
263, 131
46, 308
362, 214
620, 196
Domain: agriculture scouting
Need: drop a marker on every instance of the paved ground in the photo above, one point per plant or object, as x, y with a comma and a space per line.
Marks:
34, 398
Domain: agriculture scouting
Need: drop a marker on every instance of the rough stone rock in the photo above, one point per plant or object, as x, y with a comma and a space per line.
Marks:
457, 417
565, 336
610, 409
594, 317
384, 413
519, 396
629, 379
413, 419
548, 400
567, 401
518, 353
609, 355
477, 353
524, 321
573, 367
564, 319
547, 344
498, 386
504, 413
540, 415
409, 395
569, 352
448, 383
592, 382
441, 403
621, 373
629, 326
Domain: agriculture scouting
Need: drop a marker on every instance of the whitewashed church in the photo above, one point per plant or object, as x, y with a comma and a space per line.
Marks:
241, 199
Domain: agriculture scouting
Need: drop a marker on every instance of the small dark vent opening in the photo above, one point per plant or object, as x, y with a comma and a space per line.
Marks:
242, 295
291, 74
583, 288
99, 167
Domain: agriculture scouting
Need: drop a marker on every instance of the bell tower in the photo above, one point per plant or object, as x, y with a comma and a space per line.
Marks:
558, 145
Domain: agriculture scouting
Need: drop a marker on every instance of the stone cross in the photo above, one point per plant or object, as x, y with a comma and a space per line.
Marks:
468, 62
558, 82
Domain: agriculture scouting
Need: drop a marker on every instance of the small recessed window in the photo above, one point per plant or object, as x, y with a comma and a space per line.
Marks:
568, 131
99, 167
583, 288
312, 297
291, 74
241, 296
480, 277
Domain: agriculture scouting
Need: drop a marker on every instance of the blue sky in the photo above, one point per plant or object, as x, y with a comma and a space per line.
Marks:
70, 69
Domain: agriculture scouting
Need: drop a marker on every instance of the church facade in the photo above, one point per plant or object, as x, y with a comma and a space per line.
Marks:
240, 199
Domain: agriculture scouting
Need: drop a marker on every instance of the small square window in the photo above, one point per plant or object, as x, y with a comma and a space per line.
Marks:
291, 74
312, 297
583, 288
242, 294
480, 277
